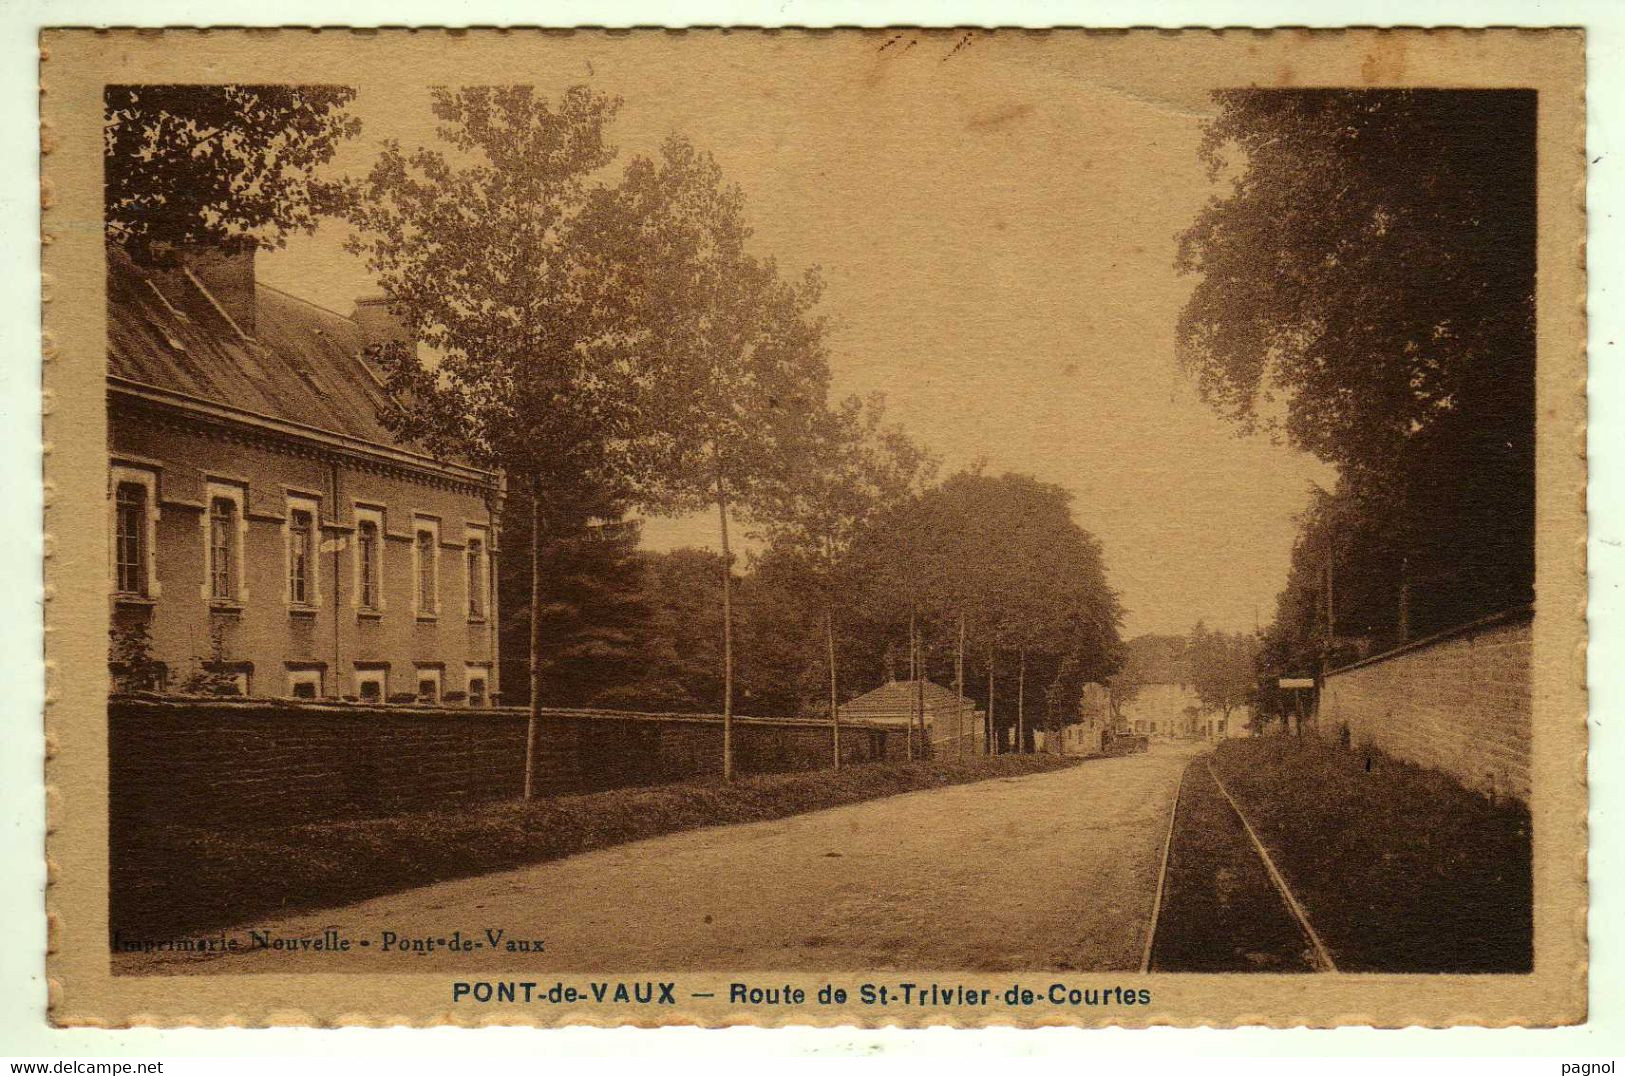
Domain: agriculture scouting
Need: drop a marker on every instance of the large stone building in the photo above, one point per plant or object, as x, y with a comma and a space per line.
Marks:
269, 537
1163, 709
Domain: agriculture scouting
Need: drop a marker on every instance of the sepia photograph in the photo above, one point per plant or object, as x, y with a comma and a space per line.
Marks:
874, 526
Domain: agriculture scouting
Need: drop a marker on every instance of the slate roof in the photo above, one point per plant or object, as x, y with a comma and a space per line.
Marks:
894, 701
304, 364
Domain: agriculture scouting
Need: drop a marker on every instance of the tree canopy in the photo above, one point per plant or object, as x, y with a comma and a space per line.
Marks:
227, 166
1004, 553
488, 255
1371, 263
736, 351
1366, 291
1223, 668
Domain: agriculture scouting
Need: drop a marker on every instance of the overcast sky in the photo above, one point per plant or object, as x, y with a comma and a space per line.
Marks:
996, 229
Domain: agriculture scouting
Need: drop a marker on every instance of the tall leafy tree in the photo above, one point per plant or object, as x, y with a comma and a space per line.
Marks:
1223, 669
1366, 290
228, 166
1002, 556
683, 669
499, 253
814, 505
739, 367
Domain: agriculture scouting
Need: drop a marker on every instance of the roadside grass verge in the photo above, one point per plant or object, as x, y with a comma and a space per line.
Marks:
1400, 869
170, 879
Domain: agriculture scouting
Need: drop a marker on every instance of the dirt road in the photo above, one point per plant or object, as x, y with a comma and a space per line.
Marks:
1051, 871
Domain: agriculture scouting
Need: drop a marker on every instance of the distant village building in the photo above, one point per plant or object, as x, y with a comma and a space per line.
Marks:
1165, 710
954, 725
269, 536
1214, 725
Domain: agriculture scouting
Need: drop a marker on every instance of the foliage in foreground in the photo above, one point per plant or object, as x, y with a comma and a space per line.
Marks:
176, 878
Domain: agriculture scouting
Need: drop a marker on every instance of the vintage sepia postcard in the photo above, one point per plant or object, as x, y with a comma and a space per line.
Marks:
858, 527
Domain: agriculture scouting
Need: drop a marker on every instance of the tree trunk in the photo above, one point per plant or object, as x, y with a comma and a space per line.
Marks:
1021, 704
533, 725
727, 634
834, 694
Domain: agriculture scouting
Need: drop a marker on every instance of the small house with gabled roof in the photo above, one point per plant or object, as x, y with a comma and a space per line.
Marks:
953, 725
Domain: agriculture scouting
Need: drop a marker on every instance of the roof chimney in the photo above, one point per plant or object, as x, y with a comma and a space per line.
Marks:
227, 279
229, 276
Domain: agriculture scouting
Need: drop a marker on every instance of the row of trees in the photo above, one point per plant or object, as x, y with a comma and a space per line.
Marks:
606, 338
1366, 292
982, 582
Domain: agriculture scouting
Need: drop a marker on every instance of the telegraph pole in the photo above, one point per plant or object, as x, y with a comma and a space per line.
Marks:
1021, 704
919, 688
959, 685
912, 673
992, 729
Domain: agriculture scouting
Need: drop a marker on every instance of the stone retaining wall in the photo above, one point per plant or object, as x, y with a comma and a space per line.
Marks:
1459, 702
276, 760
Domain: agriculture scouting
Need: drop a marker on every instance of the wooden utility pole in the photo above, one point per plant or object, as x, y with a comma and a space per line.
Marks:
912, 672
1331, 609
1021, 704
992, 728
727, 635
959, 686
1404, 599
919, 692
1331, 626
834, 693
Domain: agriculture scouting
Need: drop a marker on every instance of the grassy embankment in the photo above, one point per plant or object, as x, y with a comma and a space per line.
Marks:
1400, 869
173, 879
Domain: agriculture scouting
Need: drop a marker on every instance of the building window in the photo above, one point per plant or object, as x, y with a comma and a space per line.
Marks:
428, 692
304, 683
130, 527
222, 549
477, 586
425, 552
477, 677
225, 532
135, 532
369, 559
372, 685
303, 514
366, 551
